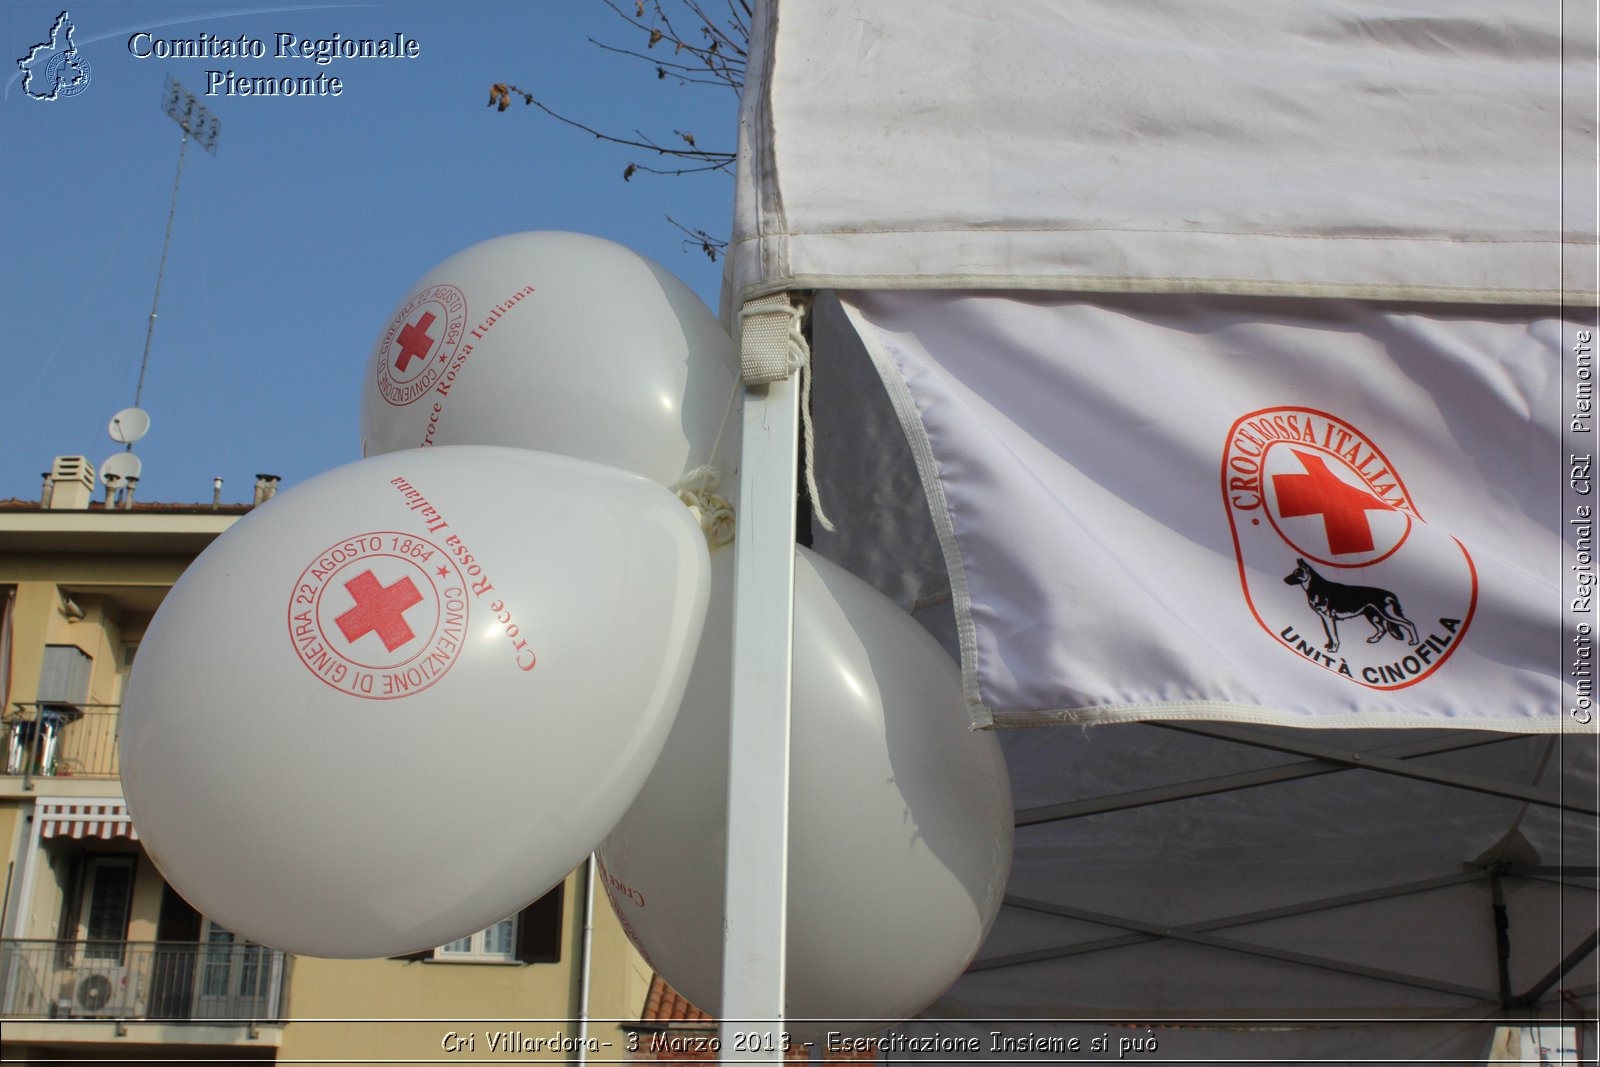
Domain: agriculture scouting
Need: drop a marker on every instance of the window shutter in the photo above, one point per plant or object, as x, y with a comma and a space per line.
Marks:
178, 920
539, 928
73, 904
64, 675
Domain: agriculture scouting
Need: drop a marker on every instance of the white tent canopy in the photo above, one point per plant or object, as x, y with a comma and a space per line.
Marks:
1348, 246
1432, 151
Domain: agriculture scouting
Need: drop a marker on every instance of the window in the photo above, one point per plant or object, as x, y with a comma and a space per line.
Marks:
532, 935
230, 967
498, 942
99, 902
108, 903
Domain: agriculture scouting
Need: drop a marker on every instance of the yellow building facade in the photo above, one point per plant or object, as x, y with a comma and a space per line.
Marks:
101, 959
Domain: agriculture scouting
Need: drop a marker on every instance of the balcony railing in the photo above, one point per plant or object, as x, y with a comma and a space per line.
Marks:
132, 981
61, 741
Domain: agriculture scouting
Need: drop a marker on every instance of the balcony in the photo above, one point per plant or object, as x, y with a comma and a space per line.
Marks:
61, 741
129, 981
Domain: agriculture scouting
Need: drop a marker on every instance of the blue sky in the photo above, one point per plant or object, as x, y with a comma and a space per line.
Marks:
293, 244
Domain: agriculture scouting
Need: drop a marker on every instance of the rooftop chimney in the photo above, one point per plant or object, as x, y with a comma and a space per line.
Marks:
71, 483
266, 487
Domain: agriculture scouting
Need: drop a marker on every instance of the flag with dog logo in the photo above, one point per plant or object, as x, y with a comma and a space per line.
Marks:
1316, 513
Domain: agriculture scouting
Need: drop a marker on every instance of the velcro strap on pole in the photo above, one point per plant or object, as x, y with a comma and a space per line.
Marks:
771, 346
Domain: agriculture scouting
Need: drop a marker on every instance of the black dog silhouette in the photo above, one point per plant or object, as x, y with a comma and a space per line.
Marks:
1333, 601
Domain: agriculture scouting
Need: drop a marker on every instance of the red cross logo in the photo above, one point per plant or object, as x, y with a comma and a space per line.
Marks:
1343, 507
414, 341
379, 610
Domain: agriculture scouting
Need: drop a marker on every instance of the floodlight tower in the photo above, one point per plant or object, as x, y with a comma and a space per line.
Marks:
196, 121
130, 424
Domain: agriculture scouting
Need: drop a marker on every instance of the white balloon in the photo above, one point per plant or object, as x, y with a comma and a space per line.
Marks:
900, 820
401, 700
558, 342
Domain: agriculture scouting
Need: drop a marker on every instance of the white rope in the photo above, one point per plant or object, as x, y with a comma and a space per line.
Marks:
727, 409
711, 510
810, 437
697, 488
767, 327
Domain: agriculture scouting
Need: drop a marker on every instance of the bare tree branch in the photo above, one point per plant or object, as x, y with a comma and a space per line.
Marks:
721, 59
714, 56
500, 93
711, 246
681, 72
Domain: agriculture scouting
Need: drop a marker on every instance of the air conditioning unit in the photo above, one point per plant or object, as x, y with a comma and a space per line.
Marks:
104, 990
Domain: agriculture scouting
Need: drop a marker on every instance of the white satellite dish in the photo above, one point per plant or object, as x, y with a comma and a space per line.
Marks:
128, 425
121, 467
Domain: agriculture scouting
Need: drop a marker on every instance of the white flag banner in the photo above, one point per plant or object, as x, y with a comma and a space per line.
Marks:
1312, 513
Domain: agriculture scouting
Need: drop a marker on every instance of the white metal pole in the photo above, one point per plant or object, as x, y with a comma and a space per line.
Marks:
585, 965
758, 750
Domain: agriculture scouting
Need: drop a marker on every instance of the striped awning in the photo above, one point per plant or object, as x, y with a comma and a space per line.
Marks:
86, 817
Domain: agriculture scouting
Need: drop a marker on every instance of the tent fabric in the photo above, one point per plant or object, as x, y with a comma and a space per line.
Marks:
1355, 149
1166, 873
1102, 569
1132, 225
1399, 868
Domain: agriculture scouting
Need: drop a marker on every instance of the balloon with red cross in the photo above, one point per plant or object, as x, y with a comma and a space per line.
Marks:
557, 342
383, 711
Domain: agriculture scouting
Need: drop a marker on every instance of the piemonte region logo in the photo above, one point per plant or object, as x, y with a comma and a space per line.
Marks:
1335, 561
54, 69
379, 615
417, 347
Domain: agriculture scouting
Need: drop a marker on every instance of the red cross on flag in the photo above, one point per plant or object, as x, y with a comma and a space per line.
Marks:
1341, 506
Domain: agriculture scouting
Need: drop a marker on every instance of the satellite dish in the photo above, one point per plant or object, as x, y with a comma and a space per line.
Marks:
121, 467
128, 425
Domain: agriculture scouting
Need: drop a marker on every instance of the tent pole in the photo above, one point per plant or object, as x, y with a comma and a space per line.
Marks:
758, 749
1284, 772
1282, 742
1502, 936
1243, 919
1542, 986
1248, 948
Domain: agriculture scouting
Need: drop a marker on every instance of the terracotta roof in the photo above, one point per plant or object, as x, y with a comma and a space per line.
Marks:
666, 1009
663, 1004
